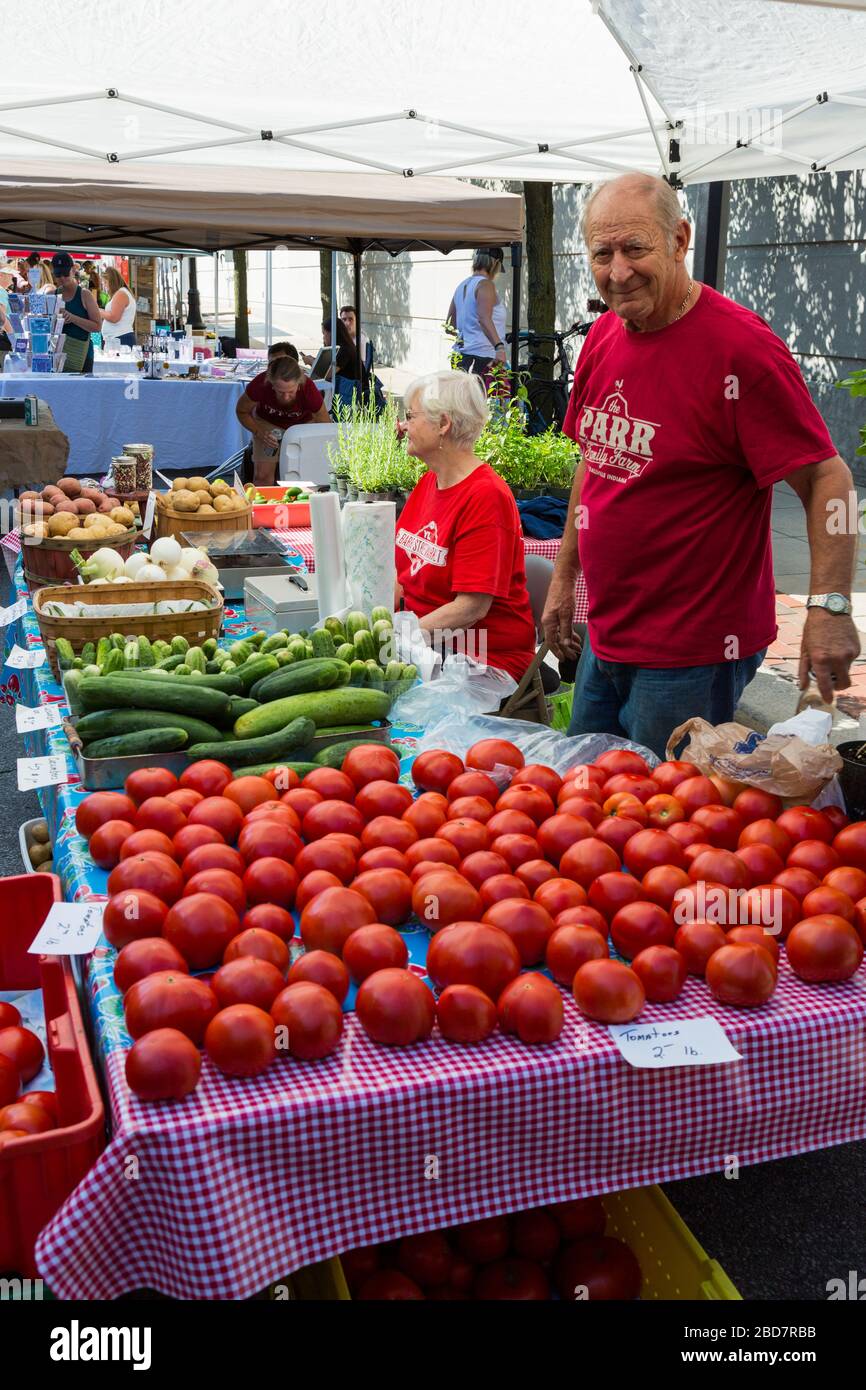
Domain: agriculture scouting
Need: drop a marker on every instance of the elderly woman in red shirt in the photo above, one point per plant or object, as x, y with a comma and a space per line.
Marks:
459, 548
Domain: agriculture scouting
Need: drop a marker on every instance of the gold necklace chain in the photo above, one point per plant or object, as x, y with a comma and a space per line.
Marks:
682, 308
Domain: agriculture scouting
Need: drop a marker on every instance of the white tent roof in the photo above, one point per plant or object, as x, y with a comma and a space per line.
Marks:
570, 89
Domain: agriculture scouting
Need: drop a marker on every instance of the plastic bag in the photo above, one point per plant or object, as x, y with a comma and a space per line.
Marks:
779, 763
411, 646
464, 684
459, 729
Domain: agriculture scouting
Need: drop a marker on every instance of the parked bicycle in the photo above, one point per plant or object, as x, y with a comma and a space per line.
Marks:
547, 397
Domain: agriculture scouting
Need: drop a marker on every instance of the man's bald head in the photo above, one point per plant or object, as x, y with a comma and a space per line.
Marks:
630, 189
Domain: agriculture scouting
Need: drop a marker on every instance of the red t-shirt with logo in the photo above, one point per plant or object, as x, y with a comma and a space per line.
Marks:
308, 400
466, 539
683, 432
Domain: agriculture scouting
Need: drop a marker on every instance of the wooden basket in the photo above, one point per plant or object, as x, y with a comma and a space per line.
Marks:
195, 627
173, 523
49, 562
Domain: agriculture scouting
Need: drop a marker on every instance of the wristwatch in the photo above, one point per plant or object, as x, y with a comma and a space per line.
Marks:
497, 346
834, 603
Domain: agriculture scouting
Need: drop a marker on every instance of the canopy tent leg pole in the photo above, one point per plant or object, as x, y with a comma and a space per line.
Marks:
269, 291
216, 298
711, 233
193, 316
333, 311
516, 265
356, 258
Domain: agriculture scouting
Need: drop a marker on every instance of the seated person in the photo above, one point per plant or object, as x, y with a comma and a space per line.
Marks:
346, 363
273, 401
459, 546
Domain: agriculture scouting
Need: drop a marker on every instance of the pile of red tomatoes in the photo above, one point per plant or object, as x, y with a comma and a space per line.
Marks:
510, 866
21, 1058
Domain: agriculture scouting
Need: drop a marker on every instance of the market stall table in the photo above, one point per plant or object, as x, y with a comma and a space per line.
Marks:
191, 424
245, 1181
32, 454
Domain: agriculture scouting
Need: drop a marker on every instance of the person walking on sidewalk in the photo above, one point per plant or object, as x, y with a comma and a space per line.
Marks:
687, 409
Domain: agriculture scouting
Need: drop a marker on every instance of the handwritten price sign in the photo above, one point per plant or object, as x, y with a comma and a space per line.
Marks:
42, 717
42, 772
24, 660
11, 615
70, 929
687, 1042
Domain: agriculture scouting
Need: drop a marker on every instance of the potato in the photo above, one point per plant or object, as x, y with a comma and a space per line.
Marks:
39, 833
71, 487
78, 533
106, 508
36, 530
184, 500
203, 497
61, 523
180, 484
113, 528
93, 494
95, 519
123, 516
39, 854
223, 503
29, 497
46, 868
67, 506
84, 506
206, 510
36, 511
135, 508
199, 485
220, 486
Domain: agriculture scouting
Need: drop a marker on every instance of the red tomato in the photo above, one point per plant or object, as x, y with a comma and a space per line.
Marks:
719, 866
797, 881
767, 832
697, 942
815, 855
825, 899
583, 1216
640, 924
484, 1241
502, 888
803, 823
22, 1048
622, 760
426, 1258
512, 1279
223, 884
382, 857
850, 844
662, 972
389, 831
686, 834
848, 880
301, 800
436, 770
274, 810
220, 814
762, 862
371, 762
100, 807
570, 947
610, 892
467, 836
201, 926
132, 915
169, 999
692, 851
558, 833
139, 842
155, 873
9, 1078
443, 897
324, 854
269, 917
743, 975
314, 883
727, 790
210, 856
261, 944
329, 816
608, 991
605, 1267
270, 839
837, 818
753, 804
147, 782
481, 865
695, 792
247, 980
163, 1065
755, 934
474, 784
382, 798
663, 811
651, 848
340, 837
388, 1285
516, 849
494, 752
588, 860
189, 838
270, 880
329, 919
332, 785
558, 894
530, 801
428, 866
473, 953
424, 816
285, 779
642, 788
770, 905
322, 968
372, 948
465, 1014
247, 792
158, 813
722, 825
47, 1100
535, 1235
184, 798
661, 883
570, 791
823, 948
106, 843
616, 831
240, 1040
582, 808
536, 872
146, 956
9, 1015
528, 924
209, 778
389, 893
511, 823
670, 774
358, 1265
394, 1007
470, 808
26, 1118
539, 775
625, 805
586, 775
531, 1006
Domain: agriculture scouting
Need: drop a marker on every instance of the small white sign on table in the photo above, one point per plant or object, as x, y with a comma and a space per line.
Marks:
41, 717
24, 660
70, 929
147, 524
42, 772
675, 1042
12, 614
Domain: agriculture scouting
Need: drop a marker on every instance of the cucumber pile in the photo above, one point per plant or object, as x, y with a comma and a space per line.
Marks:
367, 645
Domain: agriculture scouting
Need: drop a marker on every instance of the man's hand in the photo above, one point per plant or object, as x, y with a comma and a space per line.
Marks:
830, 643
557, 620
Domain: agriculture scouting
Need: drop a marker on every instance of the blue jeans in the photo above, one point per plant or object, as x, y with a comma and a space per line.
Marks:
646, 703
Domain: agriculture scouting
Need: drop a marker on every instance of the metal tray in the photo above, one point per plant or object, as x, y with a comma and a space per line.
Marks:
380, 734
109, 774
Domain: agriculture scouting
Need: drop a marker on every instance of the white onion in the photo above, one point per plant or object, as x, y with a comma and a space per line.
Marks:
166, 551
177, 572
148, 574
135, 562
189, 556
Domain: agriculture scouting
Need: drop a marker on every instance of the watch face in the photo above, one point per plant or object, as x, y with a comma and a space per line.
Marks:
837, 604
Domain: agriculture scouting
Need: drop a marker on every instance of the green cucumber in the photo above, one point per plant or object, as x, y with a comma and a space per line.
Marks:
374, 676
92, 670
164, 740
209, 647
170, 663
179, 646
381, 615
182, 669
279, 744
88, 653
257, 669
355, 622
113, 663
336, 629
122, 692
240, 652
320, 673
346, 652
103, 648
108, 722
228, 681
161, 650
284, 657
118, 641
274, 643
335, 753
240, 705
323, 643
344, 705
65, 653
146, 657
260, 769
256, 639
72, 690
130, 655
365, 647
358, 673
196, 660
298, 648
393, 671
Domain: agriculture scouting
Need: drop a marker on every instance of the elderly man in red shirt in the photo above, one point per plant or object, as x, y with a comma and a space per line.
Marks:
687, 409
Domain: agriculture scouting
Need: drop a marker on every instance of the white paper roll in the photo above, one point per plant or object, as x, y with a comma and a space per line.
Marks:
368, 542
328, 551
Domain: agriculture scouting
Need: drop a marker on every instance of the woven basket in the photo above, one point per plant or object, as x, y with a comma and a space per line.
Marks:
49, 562
173, 523
195, 627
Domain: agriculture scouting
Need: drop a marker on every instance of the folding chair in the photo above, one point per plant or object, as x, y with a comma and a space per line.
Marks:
529, 700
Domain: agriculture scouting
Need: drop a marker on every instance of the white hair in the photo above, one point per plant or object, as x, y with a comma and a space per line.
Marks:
666, 204
459, 395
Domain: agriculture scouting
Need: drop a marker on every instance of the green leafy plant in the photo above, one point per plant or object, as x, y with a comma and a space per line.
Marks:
856, 385
368, 451
523, 460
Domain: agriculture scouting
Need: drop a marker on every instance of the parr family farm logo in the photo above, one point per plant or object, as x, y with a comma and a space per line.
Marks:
615, 444
423, 547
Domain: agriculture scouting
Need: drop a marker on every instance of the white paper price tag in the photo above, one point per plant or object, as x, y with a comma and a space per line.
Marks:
239, 488
42, 717
24, 660
70, 929
685, 1042
147, 524
11, 615
42, 772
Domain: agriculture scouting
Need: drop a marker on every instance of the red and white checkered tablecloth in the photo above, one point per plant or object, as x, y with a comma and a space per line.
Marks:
245, 1181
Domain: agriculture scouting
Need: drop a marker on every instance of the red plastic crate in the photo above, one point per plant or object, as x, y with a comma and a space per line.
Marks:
272, 512
38, 1173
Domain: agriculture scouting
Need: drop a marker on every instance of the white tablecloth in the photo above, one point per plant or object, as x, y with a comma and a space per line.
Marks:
191, 424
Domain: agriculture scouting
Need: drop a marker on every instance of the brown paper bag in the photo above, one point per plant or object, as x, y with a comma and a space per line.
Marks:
777, 763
